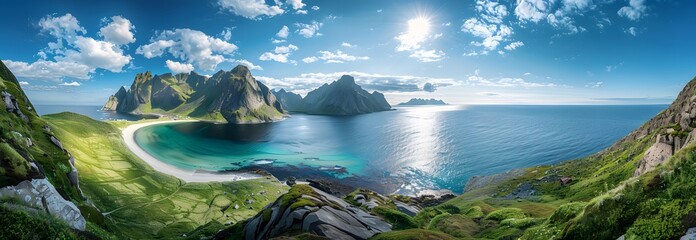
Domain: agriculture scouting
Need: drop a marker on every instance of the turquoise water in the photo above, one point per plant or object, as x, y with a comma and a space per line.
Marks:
406, 150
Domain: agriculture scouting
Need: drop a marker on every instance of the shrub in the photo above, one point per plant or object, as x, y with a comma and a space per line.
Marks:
567, 211
521, 222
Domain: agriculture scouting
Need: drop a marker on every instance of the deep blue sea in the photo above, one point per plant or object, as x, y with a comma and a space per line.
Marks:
402, 151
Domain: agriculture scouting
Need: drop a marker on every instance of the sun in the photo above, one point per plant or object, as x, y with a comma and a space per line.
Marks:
419, 26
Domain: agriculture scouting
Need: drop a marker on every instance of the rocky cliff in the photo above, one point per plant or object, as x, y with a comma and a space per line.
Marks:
234, 96
341, 97
30, 156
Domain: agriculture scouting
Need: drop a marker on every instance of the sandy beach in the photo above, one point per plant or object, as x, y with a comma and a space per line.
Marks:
187, 175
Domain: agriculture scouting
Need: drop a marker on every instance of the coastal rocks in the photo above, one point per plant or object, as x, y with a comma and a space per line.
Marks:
310, 210
422, 101
40, 194
523, 191
477, 182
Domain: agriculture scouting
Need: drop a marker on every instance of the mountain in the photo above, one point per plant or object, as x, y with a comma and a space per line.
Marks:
39, 183
422, 101
231, 95
290, 101
342, 97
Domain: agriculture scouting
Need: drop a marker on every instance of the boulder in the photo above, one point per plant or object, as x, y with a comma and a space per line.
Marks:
40, 194
656, 154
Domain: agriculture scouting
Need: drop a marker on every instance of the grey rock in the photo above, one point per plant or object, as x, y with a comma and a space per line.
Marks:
690, 234
407, 209
40, 194
57, 142
655, 155
12, 106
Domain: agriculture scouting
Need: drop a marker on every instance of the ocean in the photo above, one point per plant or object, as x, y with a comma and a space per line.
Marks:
405, 151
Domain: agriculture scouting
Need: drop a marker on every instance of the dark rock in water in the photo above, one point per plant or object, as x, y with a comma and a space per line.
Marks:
310, 210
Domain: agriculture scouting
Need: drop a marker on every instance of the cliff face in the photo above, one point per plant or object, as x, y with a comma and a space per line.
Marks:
29, 152
235, 96
342, 97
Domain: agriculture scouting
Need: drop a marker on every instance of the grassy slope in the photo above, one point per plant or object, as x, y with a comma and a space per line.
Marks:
139, 202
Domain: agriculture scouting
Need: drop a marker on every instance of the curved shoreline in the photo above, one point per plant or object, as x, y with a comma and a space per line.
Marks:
200, 176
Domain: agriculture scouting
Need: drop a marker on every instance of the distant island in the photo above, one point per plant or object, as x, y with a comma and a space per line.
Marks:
342, 97
422, 101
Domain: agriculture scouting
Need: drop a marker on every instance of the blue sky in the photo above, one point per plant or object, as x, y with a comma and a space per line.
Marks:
464, 52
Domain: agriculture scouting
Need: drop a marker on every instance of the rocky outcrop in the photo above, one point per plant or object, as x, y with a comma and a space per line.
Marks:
307, 209
233, 95
40, 194
422, 101
12, 106
342, 97
673, 129
660, 151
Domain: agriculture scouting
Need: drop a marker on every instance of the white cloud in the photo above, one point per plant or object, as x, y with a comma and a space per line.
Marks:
226, 34
296, 4
96, 54
489, 26
23, 83
428, 56
348, 45
190, 46
248, 64
302, 11
276, 41
177, 67
379, 10
514, 45
48, 70
63, 27
634, 11
279, 54
70, 84
119, 31
315, 8
73, 55
477, 80
594, 84
533, 10
334, 57
387, 83
283, 32
632, 30
252, 9
309, 30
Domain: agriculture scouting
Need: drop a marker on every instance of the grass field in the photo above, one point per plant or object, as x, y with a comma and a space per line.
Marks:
139, 202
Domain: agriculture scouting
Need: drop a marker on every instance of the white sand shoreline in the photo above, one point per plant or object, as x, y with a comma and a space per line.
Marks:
128, 134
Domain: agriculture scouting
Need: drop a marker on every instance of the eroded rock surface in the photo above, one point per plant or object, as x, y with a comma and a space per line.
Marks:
40, 194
